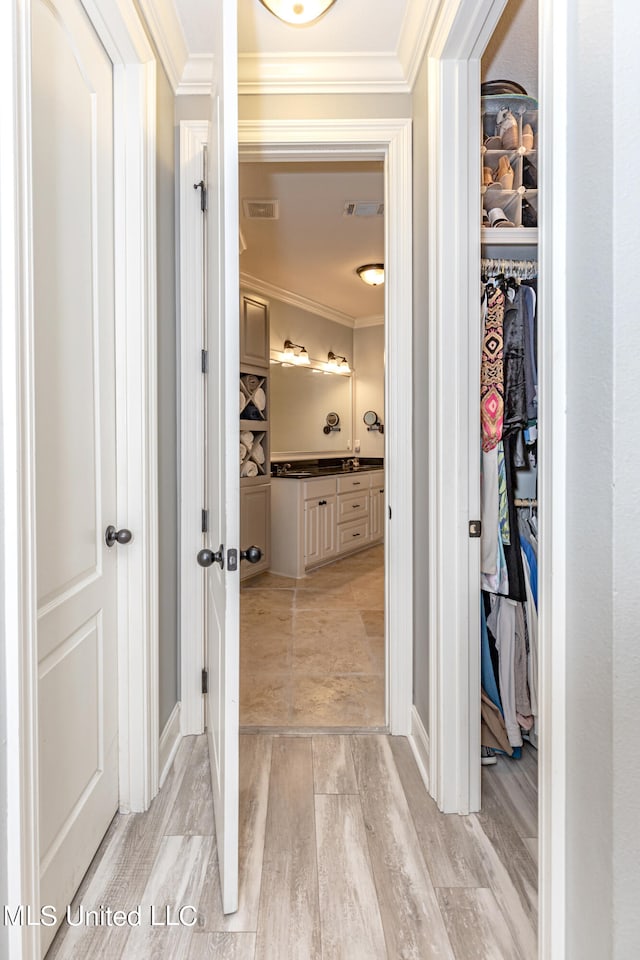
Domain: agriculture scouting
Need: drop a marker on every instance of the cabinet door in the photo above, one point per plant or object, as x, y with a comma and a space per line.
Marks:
254, 332
328, 539
312, 517
255, 526
376, 513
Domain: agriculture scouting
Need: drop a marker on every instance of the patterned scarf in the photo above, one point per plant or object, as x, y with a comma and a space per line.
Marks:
491, 374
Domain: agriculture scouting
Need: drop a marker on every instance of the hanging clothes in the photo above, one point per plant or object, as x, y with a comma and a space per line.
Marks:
492, 374
509, 405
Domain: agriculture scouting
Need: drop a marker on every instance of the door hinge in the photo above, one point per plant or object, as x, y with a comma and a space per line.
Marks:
205, 681
202, 187
389, 509
205, 521
204, 361
475, 528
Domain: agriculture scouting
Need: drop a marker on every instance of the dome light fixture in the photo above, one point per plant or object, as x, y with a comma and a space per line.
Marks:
298, 12
371, 273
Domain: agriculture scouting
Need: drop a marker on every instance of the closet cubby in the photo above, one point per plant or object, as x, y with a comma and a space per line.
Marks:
509, 168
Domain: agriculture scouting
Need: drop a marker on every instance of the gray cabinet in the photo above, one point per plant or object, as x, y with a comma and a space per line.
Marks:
255, 467
254, 332
255, 526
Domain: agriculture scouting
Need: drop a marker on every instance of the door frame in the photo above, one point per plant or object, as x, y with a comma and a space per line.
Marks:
124, 38
461, 31
326, 140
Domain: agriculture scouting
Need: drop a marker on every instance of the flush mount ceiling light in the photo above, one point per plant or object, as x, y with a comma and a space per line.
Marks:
298, 12
371, 273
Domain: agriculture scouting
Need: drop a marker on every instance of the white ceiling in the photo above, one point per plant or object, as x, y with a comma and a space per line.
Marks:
312, 250
358, 46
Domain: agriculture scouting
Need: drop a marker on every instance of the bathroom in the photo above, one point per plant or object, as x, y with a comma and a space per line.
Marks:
312, 445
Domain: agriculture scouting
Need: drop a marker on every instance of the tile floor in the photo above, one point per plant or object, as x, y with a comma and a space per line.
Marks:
312, 650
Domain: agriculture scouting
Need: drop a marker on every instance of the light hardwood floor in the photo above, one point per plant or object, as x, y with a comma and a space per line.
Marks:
342, 855
312, 650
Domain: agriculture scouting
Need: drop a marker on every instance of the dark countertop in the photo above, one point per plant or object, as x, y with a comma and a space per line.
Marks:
308, 471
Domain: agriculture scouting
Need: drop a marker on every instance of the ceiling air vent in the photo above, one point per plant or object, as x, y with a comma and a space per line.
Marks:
260, 209
363, 208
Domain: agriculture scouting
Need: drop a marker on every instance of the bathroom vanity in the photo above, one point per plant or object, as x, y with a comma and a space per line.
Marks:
322, 513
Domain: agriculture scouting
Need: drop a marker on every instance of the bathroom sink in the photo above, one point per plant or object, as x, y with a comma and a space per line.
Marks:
297, 476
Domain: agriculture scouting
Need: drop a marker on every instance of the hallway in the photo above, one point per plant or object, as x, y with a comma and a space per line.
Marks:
342, 855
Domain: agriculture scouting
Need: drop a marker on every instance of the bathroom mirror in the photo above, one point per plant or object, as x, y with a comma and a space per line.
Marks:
300, 399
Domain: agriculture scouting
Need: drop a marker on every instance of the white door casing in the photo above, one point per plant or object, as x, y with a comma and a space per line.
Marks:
222, 490
327, 140
126, 44
75, 421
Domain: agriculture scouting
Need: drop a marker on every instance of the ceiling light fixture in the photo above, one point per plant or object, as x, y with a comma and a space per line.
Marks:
298, 12
371, 273
290, 356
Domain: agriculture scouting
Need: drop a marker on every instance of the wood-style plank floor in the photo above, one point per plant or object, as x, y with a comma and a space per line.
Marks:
342, 855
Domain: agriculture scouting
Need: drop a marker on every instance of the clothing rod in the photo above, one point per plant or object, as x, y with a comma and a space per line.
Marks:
522, 269
526, 503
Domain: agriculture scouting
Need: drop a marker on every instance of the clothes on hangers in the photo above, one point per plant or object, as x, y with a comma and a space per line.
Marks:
509, 546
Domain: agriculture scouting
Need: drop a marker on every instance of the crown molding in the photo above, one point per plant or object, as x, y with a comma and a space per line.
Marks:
296, 300
418, 24
197, 74
321, 73
361, 322
167, 34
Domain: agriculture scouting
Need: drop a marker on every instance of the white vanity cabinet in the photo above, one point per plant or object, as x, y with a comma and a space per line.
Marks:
376, 506
319, 519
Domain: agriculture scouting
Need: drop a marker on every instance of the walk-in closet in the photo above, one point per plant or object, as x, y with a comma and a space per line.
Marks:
509, 113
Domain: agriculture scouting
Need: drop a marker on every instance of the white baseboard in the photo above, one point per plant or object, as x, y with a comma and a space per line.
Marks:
419, 743
169, 743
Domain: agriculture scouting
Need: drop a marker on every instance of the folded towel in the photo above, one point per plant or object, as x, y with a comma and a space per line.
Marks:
247, 438
243, 452
259, 398
252, 383
257, 453
249, 469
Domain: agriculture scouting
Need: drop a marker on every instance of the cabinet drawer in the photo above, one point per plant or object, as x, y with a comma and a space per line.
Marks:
353, 506
357, 481
352, 535
319, 488
377, 479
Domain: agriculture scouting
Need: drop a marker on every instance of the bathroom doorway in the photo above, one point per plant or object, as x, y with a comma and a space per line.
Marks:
312, 623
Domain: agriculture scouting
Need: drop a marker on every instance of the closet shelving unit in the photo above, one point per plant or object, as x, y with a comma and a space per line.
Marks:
519, 145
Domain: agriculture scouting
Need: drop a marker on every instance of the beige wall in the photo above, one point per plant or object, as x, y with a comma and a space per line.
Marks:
323, 106
512, 52
368, 360
420, 404
169, 652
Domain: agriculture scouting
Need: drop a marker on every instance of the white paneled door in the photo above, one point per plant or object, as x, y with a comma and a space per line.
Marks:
73, 251
222, 469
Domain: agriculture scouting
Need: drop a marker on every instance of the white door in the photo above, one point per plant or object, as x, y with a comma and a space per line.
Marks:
222, 465
72, 129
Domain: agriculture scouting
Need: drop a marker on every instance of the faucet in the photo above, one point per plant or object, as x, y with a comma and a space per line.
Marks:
282, 469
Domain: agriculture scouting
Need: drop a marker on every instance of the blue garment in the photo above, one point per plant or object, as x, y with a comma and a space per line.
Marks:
532, 560
488, 677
